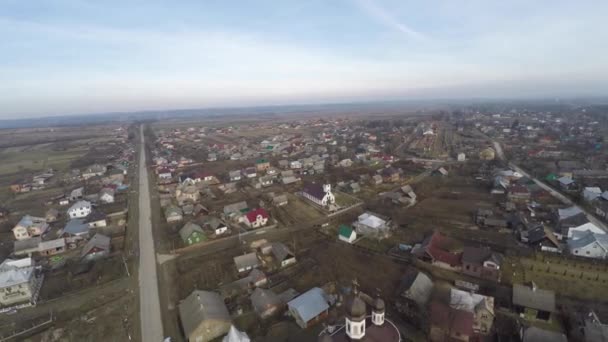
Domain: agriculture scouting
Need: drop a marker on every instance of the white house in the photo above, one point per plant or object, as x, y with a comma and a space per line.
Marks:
296, 164
79, 209
256, 218
575, 233
106, 195
370, 224
589, 245
18, 281
461, 157
30, 226
591, 193
319, 194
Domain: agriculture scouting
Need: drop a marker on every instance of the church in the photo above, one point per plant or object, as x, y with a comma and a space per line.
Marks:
359, 325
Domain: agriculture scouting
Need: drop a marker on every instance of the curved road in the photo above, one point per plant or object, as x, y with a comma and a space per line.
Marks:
149, 303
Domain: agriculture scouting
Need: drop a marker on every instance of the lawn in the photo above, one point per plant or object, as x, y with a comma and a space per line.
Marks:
37, 159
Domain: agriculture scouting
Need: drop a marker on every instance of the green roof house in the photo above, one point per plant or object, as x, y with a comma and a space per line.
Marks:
347, 234
192, 233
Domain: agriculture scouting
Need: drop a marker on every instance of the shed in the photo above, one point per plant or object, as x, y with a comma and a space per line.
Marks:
309, 307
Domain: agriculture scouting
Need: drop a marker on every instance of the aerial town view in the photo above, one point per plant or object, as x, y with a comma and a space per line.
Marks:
243, 179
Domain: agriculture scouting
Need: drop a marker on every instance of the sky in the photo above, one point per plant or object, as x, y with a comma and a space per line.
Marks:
66, 57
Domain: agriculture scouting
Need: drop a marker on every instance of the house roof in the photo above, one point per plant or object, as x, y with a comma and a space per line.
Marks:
201, 306
584, 228
450, 319
280, 251
476, 255
188, 229
310, 304
12, 274
534, 334
435, 246
262, 299
588, 237
247, 260
345, 231
529, 297
235, 207
417, 285
97, 241
51, 244
315, 190
568, 212
95, 216
76, 226
27, 244
253, 214
371, 220
80, 204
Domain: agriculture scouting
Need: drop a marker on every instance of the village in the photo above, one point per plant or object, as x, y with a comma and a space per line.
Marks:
474, 224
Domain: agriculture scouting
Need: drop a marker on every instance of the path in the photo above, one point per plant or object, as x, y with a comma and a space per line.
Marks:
149, 304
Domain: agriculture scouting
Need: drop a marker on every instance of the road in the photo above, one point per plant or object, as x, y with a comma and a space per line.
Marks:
553, 192
149, 303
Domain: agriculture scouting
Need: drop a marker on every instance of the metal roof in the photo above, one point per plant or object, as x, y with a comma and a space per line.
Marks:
310, 304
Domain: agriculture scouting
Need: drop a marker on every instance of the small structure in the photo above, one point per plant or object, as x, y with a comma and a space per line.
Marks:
347, 234
26, 247
204, 316
80, 209
76, 228
280, 200
369, 224
481, 263
96, 248
283, 256
309, 308
533, 302
52, 215
96, 219
461, 157
106, 195
437, 249
192, 233
246, 262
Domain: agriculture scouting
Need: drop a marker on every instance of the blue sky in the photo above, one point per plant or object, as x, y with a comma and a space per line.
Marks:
74, 56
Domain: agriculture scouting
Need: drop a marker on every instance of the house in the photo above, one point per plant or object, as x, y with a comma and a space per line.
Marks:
416, 287
449, 324
369, 224
481, 263
376, 180
234, 176
76, 228
80, 209
187, 193
250, 172
441, 171
19, 282
217, 226
284, 164
95, 170
461, 157
319, 194
211, 157
289, 180
283, 256
390, 175
279, 200
566, 183
236, 210
487, 154
347, 234
165, 174
345, 163
204, 316
246, 262
262, 165
96, 248
256, 218
296, 164
27, 246
64, 201
96, 219
437, 249
51, 247
30, 226
76, 194
533, 302
518, 193
271, 171
591, 193
579, 230
535, 334
265, 181
106, 195
354, 188
309, 308
257, 278
482, 308
173, 214
192, 233
265, 303
589, 245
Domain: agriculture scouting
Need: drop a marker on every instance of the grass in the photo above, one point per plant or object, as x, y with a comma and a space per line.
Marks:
37, 159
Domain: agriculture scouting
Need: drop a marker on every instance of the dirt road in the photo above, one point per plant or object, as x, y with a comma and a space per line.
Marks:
149, 304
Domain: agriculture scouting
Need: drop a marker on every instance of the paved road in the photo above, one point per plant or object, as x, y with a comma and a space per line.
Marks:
549, 189
149, 304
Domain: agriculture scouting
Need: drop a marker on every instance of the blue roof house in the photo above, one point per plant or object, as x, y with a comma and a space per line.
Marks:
309, 308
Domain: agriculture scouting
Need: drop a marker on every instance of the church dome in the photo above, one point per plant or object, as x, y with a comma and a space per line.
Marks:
356, 307
378, 304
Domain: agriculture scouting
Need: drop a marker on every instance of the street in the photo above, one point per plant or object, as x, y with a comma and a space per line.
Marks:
149, 304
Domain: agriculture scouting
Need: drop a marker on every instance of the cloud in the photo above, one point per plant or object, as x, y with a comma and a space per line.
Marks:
387, 19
